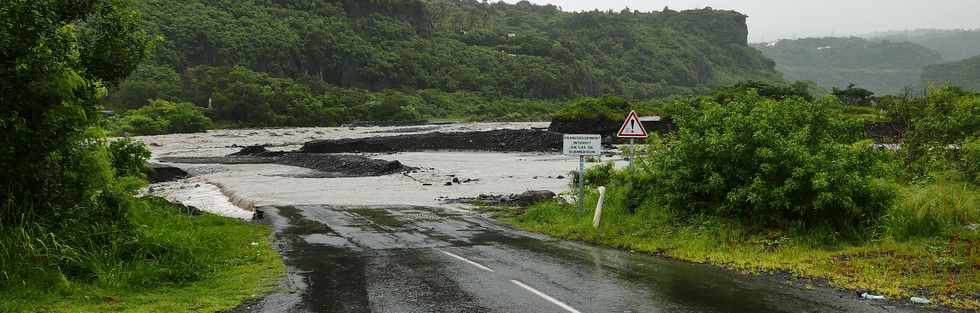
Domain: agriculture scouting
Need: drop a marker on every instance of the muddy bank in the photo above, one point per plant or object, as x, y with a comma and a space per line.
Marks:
159, 173
328, 165
387, 123
508, 140
605, 126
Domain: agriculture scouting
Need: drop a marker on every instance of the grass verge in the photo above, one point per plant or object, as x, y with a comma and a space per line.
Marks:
925, 256
175, 263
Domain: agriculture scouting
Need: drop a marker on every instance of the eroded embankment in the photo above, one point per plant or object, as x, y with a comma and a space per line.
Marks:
329, 165
525, 140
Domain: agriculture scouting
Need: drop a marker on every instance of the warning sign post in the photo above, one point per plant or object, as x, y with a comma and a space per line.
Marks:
632, 128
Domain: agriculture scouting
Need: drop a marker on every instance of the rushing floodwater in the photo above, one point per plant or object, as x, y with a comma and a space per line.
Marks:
219, 188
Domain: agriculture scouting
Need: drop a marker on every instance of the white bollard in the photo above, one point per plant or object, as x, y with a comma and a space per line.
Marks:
598, 207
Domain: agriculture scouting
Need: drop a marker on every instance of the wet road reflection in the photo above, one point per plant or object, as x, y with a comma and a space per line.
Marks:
415, 259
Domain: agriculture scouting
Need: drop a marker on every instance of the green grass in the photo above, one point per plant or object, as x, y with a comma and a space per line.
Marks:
946, 262
173, 263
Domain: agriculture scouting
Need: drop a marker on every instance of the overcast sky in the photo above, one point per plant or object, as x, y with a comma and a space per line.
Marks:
775, 19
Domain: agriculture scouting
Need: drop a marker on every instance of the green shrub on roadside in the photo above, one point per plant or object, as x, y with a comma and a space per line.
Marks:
773, 163
970, 161
163, 117
948, 117
128, 157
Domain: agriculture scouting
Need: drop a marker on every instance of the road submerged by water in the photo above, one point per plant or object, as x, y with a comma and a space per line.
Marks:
393, 243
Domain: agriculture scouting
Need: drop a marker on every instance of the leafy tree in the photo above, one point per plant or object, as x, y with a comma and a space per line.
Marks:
147, 83
854, 95
57, 60
771, 91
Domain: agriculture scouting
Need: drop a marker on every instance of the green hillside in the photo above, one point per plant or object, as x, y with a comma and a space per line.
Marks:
954, 45
881, 66
333, 58
964, 73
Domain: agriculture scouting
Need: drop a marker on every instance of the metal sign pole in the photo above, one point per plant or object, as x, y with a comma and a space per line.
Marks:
581, 183
632, 151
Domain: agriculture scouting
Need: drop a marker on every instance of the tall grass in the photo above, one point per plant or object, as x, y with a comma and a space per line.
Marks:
939, 208
160, 246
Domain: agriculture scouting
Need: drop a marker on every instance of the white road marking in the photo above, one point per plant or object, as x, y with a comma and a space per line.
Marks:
546, 297
467, 261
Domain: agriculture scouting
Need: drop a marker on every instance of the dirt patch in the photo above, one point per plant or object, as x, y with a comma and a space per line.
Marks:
524, 140
329, 165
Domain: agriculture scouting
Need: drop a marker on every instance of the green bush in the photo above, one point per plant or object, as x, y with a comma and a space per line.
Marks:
128, 157
163, 117
948, 117
589, 108
970, 162
773, 163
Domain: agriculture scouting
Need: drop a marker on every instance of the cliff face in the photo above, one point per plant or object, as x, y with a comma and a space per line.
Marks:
718, 26
497, 49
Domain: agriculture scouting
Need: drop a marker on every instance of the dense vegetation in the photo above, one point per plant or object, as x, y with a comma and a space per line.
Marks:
784, 183
329, 62
884, 67
965, 73
163, 117
71, 228
954, 44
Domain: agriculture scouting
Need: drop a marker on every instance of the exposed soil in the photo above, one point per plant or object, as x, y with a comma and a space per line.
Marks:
328, 165
885, 132
508, 140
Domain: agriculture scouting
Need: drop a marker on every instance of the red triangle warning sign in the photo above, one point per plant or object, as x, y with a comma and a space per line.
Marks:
632, 127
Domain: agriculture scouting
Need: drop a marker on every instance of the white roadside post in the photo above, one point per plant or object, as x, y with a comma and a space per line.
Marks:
582, 145
632, 128
598, 208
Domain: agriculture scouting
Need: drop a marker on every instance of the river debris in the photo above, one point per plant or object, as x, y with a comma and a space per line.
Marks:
522, 199
972, 227
920, 300
868, 296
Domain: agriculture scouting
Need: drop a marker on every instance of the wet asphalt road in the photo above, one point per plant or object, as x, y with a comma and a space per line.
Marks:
412, 259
